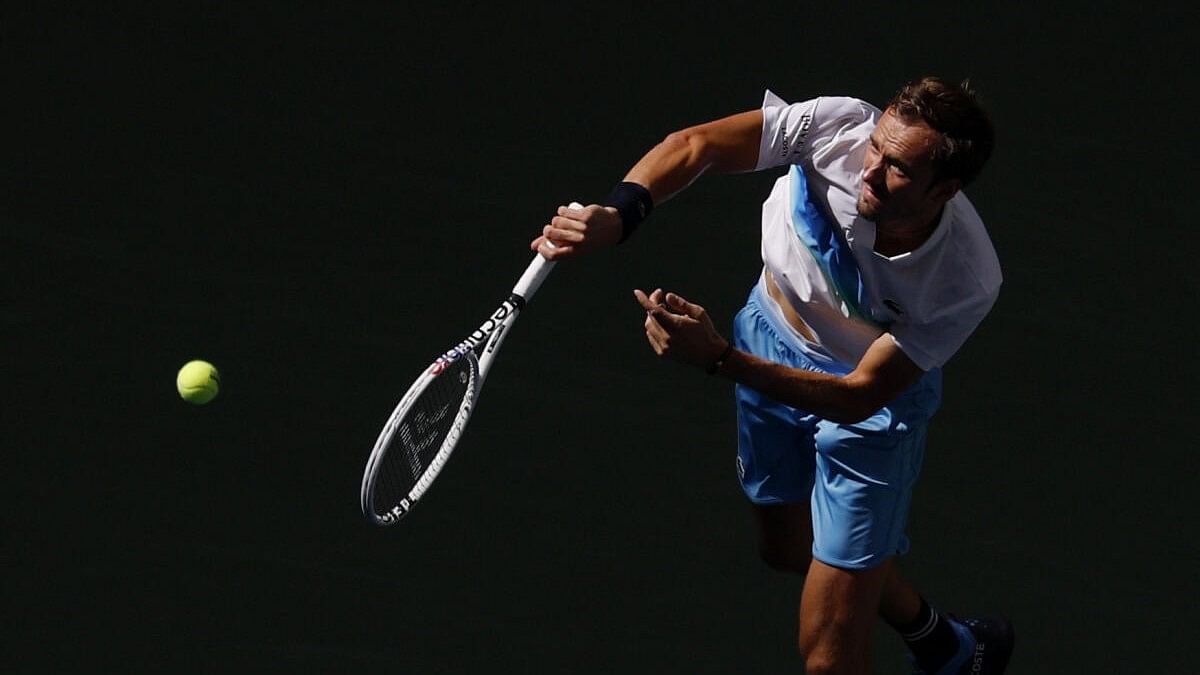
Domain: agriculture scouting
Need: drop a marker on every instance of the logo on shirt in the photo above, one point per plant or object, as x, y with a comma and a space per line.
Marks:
791, 145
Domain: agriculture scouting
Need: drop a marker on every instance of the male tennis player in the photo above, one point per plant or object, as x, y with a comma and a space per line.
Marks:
876, 269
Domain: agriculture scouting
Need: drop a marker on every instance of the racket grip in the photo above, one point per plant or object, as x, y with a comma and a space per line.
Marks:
536, 273
533, 277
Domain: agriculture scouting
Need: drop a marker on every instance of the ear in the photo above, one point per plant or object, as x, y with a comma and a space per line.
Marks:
943, 190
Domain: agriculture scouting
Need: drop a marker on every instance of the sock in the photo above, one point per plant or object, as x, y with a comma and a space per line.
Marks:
930, 637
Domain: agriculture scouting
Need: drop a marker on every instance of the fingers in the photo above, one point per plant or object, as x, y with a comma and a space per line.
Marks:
680, 306
551, 251
656, 305
667, 330
641, 298
561, 236
565, 231
571, 225
678, 329
656, 335
580, 229
648, 302
575, 211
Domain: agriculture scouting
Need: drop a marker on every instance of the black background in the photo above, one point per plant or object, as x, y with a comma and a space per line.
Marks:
321, 200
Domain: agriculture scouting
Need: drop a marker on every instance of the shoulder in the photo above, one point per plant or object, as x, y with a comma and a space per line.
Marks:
946, 288
825, 106
973, 245
793, 131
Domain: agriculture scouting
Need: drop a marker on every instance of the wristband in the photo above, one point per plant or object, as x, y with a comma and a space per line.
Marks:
716, 365
633, 202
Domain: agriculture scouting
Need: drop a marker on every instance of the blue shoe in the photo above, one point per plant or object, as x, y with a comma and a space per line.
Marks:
985, 646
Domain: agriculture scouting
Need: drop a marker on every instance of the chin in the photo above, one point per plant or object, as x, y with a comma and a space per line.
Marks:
866, 211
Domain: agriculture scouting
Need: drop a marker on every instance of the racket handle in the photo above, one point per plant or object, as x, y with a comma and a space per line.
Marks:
536, 273
533, 277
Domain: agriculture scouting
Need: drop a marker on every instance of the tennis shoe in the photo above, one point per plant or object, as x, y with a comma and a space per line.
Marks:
985, 646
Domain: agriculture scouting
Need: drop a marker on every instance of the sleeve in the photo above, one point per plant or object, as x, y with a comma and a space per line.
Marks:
793, 131
930, 344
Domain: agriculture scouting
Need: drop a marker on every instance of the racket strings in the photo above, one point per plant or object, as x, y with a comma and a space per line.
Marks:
420, 434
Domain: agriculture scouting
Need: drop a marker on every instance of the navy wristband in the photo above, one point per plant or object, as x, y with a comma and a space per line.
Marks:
633, 202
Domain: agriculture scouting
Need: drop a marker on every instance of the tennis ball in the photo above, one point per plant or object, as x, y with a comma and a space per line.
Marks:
198, 382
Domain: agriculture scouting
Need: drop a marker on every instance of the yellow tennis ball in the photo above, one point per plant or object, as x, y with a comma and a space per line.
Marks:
198, 382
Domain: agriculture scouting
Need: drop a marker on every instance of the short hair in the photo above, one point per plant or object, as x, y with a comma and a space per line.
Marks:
954, 112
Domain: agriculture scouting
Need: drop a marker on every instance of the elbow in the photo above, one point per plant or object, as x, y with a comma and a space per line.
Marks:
692, 142
858, 402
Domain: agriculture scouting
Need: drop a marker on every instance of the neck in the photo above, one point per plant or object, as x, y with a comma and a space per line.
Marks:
894, 237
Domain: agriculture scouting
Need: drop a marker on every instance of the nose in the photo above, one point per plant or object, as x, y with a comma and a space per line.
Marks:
872, 168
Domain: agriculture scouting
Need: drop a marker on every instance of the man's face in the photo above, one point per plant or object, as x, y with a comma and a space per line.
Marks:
898, 173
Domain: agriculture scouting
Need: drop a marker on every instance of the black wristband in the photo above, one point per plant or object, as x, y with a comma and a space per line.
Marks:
716, 365
633, 202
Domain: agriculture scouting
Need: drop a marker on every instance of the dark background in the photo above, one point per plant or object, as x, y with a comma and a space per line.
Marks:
320, 201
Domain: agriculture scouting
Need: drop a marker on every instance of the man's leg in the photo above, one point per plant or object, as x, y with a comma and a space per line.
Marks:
941, 643
929, 635
785, 536
838, 609
785, 544
837, 612
900, 603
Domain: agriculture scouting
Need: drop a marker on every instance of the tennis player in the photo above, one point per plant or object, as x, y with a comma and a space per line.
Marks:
876, 269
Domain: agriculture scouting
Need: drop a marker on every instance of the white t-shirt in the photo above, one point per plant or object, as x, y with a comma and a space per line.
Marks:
929, 300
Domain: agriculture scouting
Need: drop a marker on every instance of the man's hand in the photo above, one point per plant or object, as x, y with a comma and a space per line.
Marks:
576, 231
680, 330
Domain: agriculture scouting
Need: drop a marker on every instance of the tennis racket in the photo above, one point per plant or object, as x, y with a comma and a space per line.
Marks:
427, 424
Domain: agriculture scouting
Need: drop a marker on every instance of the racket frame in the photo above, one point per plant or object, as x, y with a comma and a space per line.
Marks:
480, 347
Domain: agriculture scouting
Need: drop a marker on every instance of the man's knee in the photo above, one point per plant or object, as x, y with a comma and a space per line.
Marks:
821, 653
837, 611
819, 640
821, 666
833, 647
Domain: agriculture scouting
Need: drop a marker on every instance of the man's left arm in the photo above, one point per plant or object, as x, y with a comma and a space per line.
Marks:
683, 331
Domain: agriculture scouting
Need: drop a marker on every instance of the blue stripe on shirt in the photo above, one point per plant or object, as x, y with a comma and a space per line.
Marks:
828, 245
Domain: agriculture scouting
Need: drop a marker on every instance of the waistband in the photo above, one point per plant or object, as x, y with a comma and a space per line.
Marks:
773, 315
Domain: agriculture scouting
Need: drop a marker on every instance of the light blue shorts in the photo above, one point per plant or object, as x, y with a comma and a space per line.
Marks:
858, 478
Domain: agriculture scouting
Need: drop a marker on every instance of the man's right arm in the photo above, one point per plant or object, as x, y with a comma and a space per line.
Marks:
727, 145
